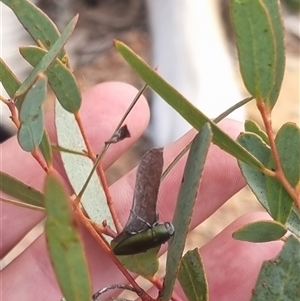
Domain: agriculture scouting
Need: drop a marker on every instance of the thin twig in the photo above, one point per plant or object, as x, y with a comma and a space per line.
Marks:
215, 120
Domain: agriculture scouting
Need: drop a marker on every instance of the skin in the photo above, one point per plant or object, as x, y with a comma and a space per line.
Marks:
232, 266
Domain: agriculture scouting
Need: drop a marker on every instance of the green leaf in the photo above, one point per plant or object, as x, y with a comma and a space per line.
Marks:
36, 22
280, 202
60, 78
257, 180
64, 245
144, 264
279, 278
47, 60
252, 126
192, 277
9, 81
19, 190
46, 150
260, 231
78, 167
288, 146
31, 129
190, 113
184, 207
260, 44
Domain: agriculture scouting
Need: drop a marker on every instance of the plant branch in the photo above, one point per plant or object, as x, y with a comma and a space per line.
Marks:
279, 174
105, 247
39, 159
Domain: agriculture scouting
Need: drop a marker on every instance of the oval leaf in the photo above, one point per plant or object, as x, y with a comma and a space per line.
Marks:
144, 264
64, 245
279, 278
260, 44
280, 202
261, 231
288, 146
184, 207
192, 277
47, 60
253, 127
60, 78
31, 129
257, 180
9, 81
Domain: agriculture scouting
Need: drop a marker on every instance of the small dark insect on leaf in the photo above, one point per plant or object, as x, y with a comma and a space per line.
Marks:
119, 135
142, 230
140, 242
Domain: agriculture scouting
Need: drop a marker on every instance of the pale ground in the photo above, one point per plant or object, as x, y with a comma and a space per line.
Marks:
109, 66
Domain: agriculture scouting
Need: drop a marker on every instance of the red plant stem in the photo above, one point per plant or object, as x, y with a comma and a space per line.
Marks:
12, 107
107, 230
111, 207
279, 174
101, 174
14, 115
39, 159
142, 294
83, 134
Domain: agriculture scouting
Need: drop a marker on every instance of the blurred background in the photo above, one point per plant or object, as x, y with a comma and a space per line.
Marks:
158, 32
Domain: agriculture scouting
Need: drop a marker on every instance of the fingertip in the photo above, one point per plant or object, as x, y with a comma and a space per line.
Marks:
103, 107
232, 266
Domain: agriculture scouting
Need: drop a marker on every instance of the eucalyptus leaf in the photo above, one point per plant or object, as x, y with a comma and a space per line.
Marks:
20, 191
144, 264
31, 115
61, 79
45, 148
279, 278
36, 22
78, 167
260, 45
189, 112
184, 207
252, 126
288, 147
48, 59
65, 248
257, 180
9, 81
192, 277
279, 200
260, 231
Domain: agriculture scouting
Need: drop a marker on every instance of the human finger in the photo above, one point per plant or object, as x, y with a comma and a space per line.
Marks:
102, 108
232, 266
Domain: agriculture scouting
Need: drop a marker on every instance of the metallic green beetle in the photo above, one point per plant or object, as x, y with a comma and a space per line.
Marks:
142, 231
